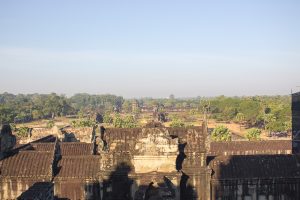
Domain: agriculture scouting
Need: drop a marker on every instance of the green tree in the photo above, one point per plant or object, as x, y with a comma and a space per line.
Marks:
221, 133
126, 122
129, 122
107, 118
22, 131
270, 122
7, 114
288, 126
240, 118
253, 134
127, 107
118, 121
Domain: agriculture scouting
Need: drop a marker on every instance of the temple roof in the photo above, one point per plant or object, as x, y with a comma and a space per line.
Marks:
86, 166
250, 147
28, 164
76, 148
255, 166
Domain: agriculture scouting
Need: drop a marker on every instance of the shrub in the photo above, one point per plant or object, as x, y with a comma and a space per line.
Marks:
177, 123
221, 133
126, 122
13, 127
253, 134
107, 118
83, 123
22, 131
50, 124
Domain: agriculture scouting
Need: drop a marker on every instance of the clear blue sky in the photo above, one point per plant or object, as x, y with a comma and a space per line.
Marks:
150, 48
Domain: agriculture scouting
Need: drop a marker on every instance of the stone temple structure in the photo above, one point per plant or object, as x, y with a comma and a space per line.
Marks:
150, 163
296, 122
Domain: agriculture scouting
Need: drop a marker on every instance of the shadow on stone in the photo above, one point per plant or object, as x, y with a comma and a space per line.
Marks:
186, 189
39, 190
181, 156
118, 185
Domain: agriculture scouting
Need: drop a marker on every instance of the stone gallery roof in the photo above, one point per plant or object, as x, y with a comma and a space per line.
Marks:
42, 147
48, 147
76, 148
48, 138
28, 164
250, 147
115, 133
255, 166
78, 167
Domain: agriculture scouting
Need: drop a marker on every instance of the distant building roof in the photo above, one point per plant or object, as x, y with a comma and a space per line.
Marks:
48, 138
250, 147
85, 167
255, 166
76, 148
28, 164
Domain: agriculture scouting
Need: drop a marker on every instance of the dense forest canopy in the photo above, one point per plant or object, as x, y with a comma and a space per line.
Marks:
269, 112
22, 108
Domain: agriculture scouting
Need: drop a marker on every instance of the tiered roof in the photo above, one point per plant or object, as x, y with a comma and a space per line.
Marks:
84, 166
28, 164
76, 148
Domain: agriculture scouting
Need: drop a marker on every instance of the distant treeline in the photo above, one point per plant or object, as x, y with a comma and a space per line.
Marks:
269, 112
272, 113
24, 108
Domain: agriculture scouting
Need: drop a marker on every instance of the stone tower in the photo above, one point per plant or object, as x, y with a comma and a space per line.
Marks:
7, 140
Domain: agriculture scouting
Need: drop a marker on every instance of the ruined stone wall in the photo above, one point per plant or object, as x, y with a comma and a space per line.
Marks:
38, 133
81, 134
171, 162
67, 134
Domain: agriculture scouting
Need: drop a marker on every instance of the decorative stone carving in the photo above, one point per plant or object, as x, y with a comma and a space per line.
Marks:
155, 152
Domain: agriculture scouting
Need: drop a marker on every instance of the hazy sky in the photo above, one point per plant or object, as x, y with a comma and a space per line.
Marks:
150, 47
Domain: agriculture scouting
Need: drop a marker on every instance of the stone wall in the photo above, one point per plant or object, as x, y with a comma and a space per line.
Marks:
66, 134
257, 189
255, 177
167, 163
13, 188
81, 134
77, 189
39, 133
